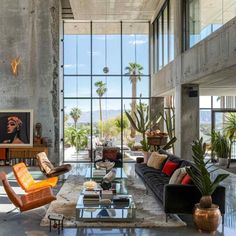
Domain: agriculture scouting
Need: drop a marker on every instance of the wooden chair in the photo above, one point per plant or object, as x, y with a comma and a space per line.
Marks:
47, 167
26, 181
28, 201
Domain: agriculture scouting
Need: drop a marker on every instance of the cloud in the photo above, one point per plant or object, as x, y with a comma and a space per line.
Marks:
137, 42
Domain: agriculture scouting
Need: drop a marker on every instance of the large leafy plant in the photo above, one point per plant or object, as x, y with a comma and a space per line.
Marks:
143, 122
200, 173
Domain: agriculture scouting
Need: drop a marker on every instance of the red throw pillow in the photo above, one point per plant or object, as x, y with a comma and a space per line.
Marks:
186, 180
169, 167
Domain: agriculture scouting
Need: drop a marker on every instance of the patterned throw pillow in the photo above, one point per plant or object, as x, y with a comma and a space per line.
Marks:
177, 176
156, 160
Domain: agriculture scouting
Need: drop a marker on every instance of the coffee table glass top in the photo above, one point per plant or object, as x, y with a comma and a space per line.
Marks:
91, 174
109, 212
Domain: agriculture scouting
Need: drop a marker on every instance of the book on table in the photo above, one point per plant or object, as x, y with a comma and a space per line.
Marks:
99, 173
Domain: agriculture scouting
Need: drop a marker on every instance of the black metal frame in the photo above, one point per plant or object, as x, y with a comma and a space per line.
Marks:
166, 6
121, 75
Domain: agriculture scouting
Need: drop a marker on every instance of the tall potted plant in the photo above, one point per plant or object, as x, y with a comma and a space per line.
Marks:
143, 122
206, 215
220, 146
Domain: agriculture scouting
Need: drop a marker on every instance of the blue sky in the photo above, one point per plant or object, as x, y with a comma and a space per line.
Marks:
77, 53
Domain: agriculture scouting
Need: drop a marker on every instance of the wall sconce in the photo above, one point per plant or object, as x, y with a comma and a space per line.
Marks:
14, 65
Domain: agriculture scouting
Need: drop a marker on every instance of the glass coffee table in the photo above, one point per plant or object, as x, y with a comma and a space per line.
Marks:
113, 211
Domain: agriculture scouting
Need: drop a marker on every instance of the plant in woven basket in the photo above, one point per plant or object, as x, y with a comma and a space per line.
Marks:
200, 174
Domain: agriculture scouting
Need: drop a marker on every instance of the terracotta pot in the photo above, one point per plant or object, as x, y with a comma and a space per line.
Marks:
207, 219
159, 141
146, 156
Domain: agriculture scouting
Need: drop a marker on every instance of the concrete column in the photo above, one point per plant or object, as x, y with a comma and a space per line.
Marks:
157, 107
178, 25
186, 119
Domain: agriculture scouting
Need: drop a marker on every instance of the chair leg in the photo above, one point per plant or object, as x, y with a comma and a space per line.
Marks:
12, 210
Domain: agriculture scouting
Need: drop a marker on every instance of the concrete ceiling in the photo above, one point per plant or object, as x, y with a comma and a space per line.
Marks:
110, 10
221, 83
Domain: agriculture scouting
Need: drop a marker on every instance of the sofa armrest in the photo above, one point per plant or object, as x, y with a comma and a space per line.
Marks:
179, 198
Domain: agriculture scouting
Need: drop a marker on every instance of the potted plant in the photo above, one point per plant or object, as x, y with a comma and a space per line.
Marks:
220, 146
142, 123
206, 215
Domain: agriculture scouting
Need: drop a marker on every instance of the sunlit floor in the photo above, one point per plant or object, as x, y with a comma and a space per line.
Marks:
28, 223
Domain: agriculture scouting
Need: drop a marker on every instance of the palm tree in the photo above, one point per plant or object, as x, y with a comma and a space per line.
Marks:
135, 72
230, 130
75, 114
101, 90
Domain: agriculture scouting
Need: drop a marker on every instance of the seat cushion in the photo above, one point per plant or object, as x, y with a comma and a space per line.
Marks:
45, 165
37, 198
50, 182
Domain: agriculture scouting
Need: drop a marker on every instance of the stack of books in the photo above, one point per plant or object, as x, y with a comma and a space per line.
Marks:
91, 197
121, 200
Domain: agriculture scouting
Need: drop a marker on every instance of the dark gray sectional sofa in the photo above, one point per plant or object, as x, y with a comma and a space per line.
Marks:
176, 198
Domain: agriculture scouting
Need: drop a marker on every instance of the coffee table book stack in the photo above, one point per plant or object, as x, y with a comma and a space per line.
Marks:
91, 197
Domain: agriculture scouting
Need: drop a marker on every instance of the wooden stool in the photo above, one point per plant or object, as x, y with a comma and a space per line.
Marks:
57, 220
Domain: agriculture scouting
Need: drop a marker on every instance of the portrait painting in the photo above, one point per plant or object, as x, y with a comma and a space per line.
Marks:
16, 128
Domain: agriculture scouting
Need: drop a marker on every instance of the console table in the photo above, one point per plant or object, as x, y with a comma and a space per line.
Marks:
25, 154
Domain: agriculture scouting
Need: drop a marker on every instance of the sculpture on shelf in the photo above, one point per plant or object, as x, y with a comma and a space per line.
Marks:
38, 133
15, 62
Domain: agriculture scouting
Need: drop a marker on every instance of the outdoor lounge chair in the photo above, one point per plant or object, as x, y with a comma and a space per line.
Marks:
47, 167
26, 181
28, 201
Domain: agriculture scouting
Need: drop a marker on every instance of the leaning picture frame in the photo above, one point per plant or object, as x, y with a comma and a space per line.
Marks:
16, 128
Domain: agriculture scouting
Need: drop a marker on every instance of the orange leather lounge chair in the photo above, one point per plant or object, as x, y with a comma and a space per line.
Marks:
28, 201
26, 181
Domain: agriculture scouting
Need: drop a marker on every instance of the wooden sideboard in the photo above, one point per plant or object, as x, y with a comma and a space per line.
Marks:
24, 154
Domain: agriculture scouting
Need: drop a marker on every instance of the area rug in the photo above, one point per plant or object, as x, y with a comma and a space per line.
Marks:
149, 213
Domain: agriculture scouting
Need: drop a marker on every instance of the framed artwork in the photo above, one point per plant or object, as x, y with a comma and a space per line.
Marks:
16, 128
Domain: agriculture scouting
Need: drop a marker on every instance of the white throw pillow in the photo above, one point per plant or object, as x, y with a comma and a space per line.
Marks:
178, 175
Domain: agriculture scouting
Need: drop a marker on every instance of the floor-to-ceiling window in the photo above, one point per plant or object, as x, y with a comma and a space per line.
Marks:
202, 17
106, 71
163, 34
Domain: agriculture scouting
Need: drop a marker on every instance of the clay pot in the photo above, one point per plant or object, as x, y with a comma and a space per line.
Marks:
207, 219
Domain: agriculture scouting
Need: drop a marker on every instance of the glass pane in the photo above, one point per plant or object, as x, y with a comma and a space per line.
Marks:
218, 101
204, 18
77, 86
205, 101
106, 48
77, 129
106, 121
135, 90
155, 56
165, 35
135, 45
160, 48
171, 31
131, 139
107, 86
77, 49
205, 124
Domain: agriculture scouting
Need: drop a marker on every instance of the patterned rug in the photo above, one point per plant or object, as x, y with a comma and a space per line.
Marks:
149, 212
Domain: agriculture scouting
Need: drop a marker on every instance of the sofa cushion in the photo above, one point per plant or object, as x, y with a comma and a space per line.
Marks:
171, 157
186, 179
177, 176
156, 160
170, 167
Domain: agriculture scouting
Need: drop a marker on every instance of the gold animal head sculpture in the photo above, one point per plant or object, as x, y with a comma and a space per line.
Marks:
14, 65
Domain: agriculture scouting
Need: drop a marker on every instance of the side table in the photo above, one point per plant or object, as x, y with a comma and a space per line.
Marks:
57, 220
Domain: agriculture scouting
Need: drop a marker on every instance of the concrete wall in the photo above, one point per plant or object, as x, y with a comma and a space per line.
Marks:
210, 63
30, 29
